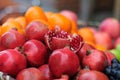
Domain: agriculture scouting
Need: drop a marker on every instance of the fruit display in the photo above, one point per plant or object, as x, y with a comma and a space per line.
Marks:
41, 45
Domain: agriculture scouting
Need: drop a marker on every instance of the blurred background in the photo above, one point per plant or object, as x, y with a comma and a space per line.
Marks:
87, 10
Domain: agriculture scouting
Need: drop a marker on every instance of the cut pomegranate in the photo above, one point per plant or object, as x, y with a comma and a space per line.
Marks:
56, 39
76, 42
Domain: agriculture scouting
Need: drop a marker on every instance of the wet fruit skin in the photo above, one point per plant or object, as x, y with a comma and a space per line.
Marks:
63, 61
30, 74
11, 61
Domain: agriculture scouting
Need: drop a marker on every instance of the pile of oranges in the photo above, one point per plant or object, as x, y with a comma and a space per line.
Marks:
52, 20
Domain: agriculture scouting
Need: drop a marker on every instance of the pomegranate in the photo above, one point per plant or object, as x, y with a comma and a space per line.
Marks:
63, 61
93, 29
35, 52
11, 61
95, 60
92, 75
64, 77
82, 52
70, 15
2, 47
102, 38
30, 74
36, 30
62, 39
110, 26
110, 56
46, 71
12, 39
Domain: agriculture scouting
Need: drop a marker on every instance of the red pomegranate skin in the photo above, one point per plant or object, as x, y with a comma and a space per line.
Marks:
36, 30
92, 75
46, 71
63, 61
110, 26
110, 56
82, 52
64, 77
30, 74
11, 61
95, 60
2, 47
70, 15
35, 52
12, 39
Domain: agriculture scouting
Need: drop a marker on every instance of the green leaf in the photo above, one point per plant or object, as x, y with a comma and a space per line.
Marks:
116, 52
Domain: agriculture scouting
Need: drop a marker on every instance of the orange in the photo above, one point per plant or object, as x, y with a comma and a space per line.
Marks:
0, 30
48, 14
87, 34
100, 47
57, 19
92, 44
10, 19
35, 12
21, 20
11, 25
74, 28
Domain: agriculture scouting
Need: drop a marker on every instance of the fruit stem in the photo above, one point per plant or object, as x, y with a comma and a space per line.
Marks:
86, 68
20, 49
88, 52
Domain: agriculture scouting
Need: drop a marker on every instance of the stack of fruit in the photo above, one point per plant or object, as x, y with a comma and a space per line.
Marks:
49, 46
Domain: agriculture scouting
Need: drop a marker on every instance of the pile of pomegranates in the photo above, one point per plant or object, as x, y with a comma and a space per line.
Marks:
44, 54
